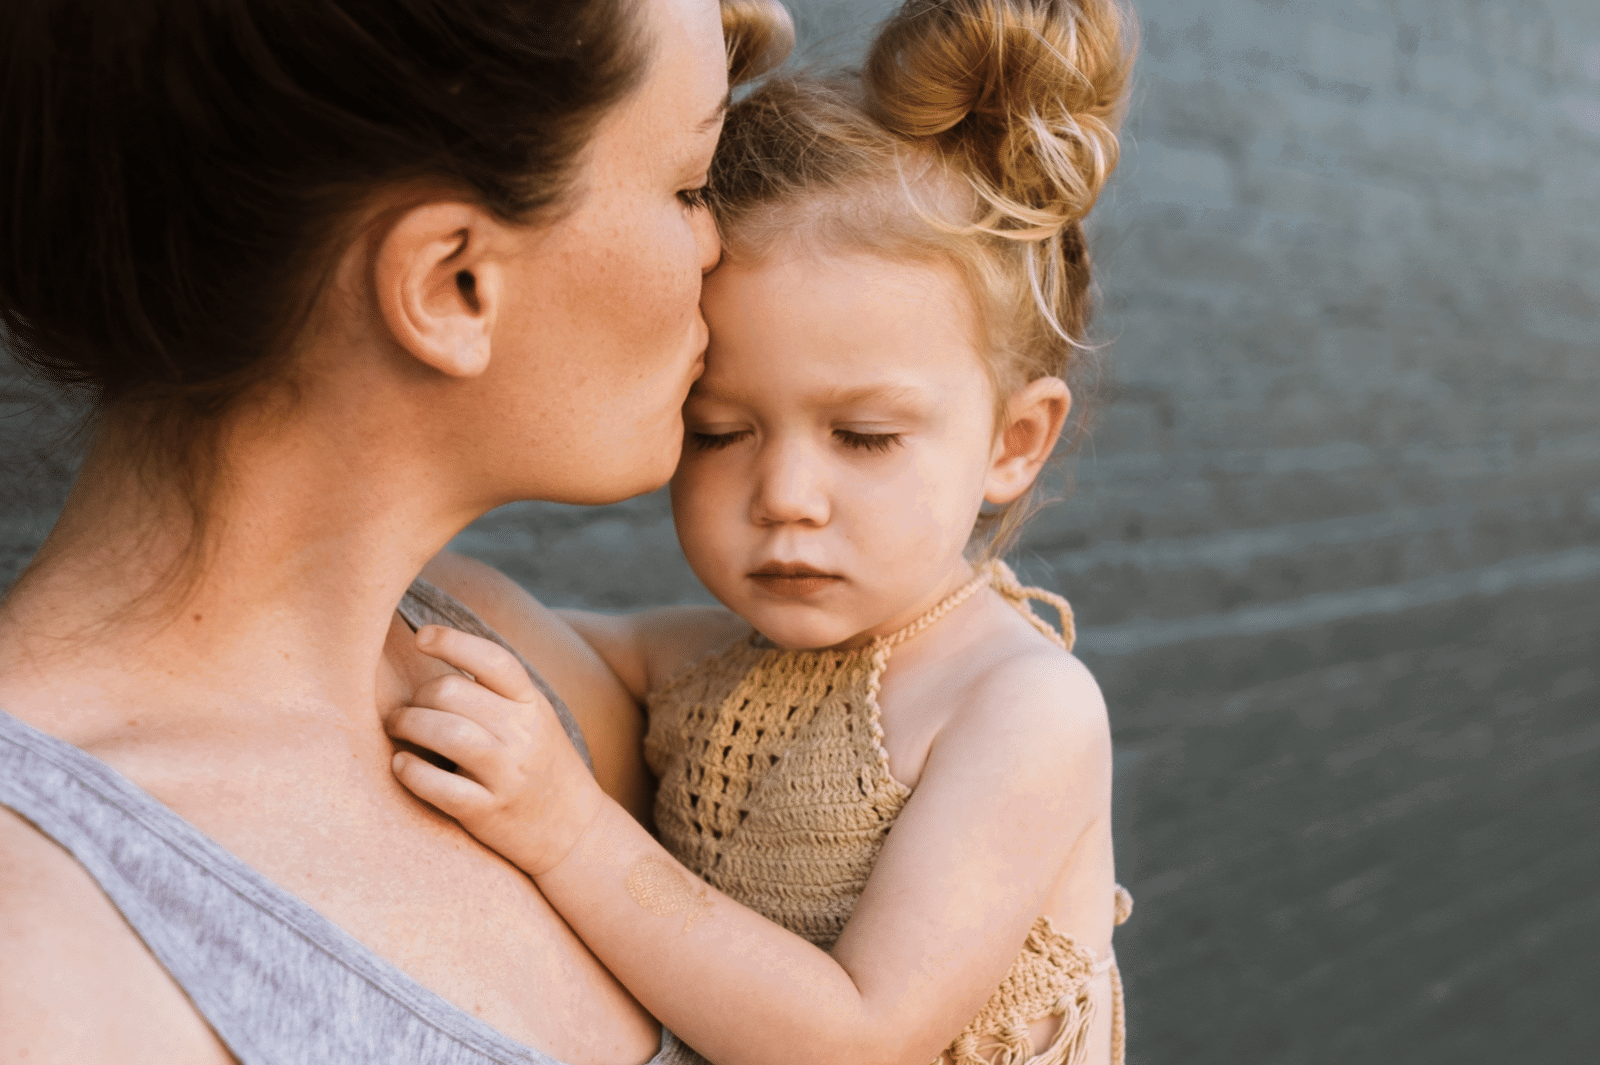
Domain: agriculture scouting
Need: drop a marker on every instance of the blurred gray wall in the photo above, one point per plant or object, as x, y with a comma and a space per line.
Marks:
1334, 543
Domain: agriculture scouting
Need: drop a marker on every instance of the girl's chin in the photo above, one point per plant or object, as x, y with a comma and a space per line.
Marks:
791, 637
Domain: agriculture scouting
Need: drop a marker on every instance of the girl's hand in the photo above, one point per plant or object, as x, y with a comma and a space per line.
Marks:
520, 787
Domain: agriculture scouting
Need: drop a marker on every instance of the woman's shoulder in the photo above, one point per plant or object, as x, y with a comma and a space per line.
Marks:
536, 631
65, 947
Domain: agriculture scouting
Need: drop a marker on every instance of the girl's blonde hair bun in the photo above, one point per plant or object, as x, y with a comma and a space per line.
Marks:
979, 134
1022, 98
759, 36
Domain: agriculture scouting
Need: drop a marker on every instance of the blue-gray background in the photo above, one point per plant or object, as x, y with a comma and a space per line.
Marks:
1334, 542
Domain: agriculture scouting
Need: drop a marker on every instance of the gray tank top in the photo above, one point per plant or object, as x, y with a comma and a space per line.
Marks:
278, 982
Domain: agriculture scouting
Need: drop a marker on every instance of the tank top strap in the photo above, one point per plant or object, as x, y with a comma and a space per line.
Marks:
278, 982
425, 604
999, 576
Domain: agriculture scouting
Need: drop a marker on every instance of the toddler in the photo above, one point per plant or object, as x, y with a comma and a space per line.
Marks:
902, 299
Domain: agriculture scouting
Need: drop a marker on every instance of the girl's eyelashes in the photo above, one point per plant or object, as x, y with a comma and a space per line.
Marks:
696, 199
716, 441
850, 438
858, 441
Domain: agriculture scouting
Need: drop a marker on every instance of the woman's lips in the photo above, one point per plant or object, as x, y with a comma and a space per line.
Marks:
793, 580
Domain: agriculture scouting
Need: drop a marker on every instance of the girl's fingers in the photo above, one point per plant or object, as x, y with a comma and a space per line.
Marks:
492, 665
455, 795
458, 738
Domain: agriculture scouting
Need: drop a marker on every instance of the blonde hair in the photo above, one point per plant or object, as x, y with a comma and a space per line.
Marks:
759, 35
979, 134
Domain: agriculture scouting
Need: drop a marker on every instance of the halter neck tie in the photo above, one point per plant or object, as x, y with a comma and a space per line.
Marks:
997, 575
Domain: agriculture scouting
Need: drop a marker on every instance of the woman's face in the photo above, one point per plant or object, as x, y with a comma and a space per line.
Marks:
601, 335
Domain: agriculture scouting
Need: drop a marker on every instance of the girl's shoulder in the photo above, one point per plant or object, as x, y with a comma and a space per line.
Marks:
1013, 703
1035, 685
1023, 683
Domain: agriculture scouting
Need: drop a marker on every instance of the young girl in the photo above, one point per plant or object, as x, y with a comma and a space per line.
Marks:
903, 293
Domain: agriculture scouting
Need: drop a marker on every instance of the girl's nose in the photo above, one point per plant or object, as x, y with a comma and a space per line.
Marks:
790, 490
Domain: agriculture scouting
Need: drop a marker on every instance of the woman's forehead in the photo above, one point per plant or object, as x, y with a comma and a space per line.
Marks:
687, 73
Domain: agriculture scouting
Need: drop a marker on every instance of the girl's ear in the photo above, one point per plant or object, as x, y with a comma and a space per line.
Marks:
439, 285
1034, 417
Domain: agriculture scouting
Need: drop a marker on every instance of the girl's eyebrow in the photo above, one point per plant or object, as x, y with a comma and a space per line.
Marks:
892, 395
896, 395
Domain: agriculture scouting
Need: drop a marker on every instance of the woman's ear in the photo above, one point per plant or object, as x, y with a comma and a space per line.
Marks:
1034, 417
439, 285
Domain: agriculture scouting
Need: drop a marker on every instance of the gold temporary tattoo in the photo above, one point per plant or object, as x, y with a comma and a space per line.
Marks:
660, 888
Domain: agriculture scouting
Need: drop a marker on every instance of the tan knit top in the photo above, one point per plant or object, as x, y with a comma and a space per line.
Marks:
775, 787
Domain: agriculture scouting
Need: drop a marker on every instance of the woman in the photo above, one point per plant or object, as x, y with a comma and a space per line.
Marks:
339, 277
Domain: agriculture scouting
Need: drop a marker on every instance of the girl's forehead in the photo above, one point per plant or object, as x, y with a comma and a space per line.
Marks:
858, 296
878, 389
838, 328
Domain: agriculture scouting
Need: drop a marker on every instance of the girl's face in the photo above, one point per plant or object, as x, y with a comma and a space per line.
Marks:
837, 448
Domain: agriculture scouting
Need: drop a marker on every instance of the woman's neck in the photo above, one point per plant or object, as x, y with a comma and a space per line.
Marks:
309, 543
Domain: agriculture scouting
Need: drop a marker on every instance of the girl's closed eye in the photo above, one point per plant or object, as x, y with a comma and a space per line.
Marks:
697, 198
716, 441
856, 440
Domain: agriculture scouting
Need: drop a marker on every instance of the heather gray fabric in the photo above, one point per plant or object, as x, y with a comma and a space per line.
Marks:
277, 981
426, 605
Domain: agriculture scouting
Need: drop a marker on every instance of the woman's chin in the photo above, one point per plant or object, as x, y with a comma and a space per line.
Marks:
601, 487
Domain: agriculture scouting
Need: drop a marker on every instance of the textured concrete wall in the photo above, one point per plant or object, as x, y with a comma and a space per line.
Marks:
1335, 542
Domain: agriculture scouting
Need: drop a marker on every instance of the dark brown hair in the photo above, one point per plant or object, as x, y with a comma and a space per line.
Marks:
178, 173
174, 167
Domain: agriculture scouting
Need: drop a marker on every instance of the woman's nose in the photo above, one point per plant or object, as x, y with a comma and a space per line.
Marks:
790, 490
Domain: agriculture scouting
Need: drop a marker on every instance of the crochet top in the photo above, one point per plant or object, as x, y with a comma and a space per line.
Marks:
775, 788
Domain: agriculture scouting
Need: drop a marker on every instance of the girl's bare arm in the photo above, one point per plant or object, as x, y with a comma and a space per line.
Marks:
1007, 791
646, 648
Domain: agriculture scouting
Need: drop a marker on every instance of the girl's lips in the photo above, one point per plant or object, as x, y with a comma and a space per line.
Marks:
794, 580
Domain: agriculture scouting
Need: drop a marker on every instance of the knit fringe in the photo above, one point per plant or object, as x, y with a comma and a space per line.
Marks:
1013, 1047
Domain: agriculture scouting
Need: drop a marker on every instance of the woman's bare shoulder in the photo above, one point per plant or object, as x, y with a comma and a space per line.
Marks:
535, 630
76, 984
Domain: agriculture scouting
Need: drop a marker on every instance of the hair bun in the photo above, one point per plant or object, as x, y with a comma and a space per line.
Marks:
759, 35
1022, 97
